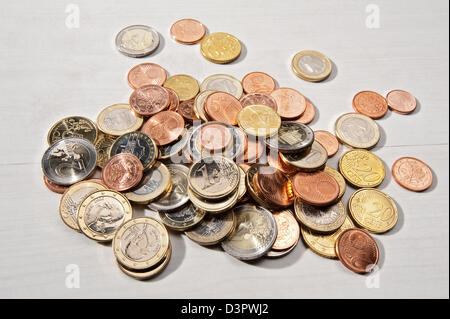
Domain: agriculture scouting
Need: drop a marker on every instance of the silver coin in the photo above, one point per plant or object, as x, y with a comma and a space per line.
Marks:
69, 160
255, 233
224, 83
321, 219
177, 196
312, 159
312, 64
171, 150
357, 130
137, 41
292, 137
280, 253
183, 218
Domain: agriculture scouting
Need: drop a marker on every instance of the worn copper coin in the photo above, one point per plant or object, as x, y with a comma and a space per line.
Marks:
309, 114
60, 189
145, 74
327, 140
371, 104
274, 186
258, 82
215, 137
401, 101
149, 99
412, 174
187, 31
122, 172
174, 102
223, 107
291, 103
259, 99
186, 109
288, 230
317, 188
164, 127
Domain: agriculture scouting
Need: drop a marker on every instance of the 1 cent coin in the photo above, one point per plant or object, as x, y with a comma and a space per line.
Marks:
145, 74
371, 104
149, 99
164, 127
412, 174
187, 31
258, 82
122, 172
401, 101
291, 103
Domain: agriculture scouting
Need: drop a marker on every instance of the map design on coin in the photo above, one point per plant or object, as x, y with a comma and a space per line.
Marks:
119, 119
140, 242
68, 158
210, 227
104, 215
73, 127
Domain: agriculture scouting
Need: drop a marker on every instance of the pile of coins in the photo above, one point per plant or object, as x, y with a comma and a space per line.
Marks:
225, 162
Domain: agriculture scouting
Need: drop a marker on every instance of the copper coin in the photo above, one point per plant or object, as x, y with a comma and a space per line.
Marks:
258, 82
288, 230
254, 150
317, 188
174, 101
122, 172
309, 114
215, 137
274, 160
187, 31
291, 103
223, 107
328, 141
370, 104
244, 140
149, 99
259, 99
60, 189
401, 101
357, 250
186, 110
96, 180
412, 174
145, 74
274, 186
165, 127
245, 167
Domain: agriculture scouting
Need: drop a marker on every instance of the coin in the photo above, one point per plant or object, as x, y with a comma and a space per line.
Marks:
259, 120
259, 99
177, 197
223, 107
242, 188
258, 82
69, 160
165, 127
141, 243
183, 218
118, 119
154, 184
150, 99
252, 187
357, 130
174, 102
362, 168
122, 172
101, 213
274, 160
214, 206
311, 159
215, 137
222, 83
171, 150
255, 149
316, 188
137, 41
254, 235
187, 31
139, 144
186, 110
220, 47
185, 86
72, 199
73, 126
412, 174
373, 210
357, 250
323, 244
401, 101
212, 229
102, 146
327, 140
280, 253
274, 186
213, 177
292, 137
339, 179
199, 105
291, 103
288, 230
60, 189
311, 66
321, 219
371, 104
145, 74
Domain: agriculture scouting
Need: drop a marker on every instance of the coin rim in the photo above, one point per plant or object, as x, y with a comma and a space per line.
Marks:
307, 77
351, 144
303, 219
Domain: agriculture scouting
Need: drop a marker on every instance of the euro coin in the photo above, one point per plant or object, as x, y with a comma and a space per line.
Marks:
288, 230
412, 174
321, 219
292, 137
357, 130
259, 120
118, 119
311, 66
73, 126
183, 218
220, 47
222, 83
103, 146
309, 160
216, 206
137, 41
339, 179
362, 168
185, 86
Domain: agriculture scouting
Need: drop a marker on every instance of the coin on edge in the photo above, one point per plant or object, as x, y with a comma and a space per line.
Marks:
185, 86
73, 126
362, 168
412, 174
137, 41
220, 47
321, 219
183, 218
357, 130
199, 104
311, 66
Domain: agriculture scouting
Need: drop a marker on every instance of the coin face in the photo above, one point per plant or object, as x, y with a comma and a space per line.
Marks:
102, 213
170, 150
215, 136
165, 127
309, 160
327, 140
186, 110
339, 179
371, 104
149, 99
357, 130
259, 120
69, 160
292, 137
309, 114
362, 168
182, 218
145, 74
199, 105
223, 83
122, 172
254, 235
291, 103
412, 174
288, 230
223, 107
118, 119
185, 86
321, 219
258, 82
220, 47
401, 101
373, 210
212, 229
137, 41
73, 126
311, 66
187, 31
274, 186
259, 99
103, 146
316, 188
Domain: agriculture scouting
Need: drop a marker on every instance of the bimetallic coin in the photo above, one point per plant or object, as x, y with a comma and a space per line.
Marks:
183, 218
214, 206
73, 126
290, 103
259, 120
213, 229
254, 235
371, 104
362, 168
220, 47
258, 82
102, 213
174, 149
311, 66
187, 31
149, 99
292, 137
118, 119
357, 130
185, 86
321, 219
339, 179
145, 74
137, 41
412, 174
199, 104
311, 159
72, 199
288, 230
373, 210
122, 172
327, 140
103, 146
316, 188
69, 160
222, 83
401, 101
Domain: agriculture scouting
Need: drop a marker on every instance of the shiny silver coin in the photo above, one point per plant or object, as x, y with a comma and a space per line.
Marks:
292, 137
175, 149
183, 218
137, 41
280, 253
312, 159
69, 160
254, 235
224, 83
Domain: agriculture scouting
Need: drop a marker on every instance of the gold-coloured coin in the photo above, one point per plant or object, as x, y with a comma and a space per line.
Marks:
185, 86
311, 66
357, 131
323, 244
141, 243
213, 206
312, 159
183, 218
373, 210
259, 120
73, 197
362, 168
103, 146
242, 188
199, 105
118, 119
102, 213
320, 219
73, 126
220, 47
339, 179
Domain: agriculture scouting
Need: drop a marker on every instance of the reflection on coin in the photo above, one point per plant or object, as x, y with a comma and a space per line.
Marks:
213, 206
288, 230
321, 219
137, 41
171, 150
311, 159
118, 119
412, 174
258, 82
362, 168
339, 179
401, 101
122, 172
252, 187
290, 103
273, 186
73, 126
199, 104
145, 74
259, 120
185, 86
223, 83
311, 66
220, 47
292, 137
182, 218
103, 146
371, 104
357, 130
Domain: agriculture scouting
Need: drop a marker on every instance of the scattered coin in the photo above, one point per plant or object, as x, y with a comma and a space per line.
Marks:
137, 41
280, 253
150, 99
60, 189
185, 86
122, 172
292, 137
145, 74
357, 130
222, 83
312, 159
288, 230
255, 149
183, 218
215, 137
258, 82
259, 120
311, 66
174, 101
362, 168
273, 186
164, 127
259, 99
186, 110
213, 229
223, 107
291, 103
187, 31
199, 105
320, 219
401, 101
339, 179
309, 114
327, 140
214, 206
103, 146
176, 148
118, 119
274, 160
412, 174
73, 126
220, 47
316, 188
371, 104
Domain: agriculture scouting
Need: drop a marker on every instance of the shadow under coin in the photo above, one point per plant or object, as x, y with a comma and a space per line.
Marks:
242, 56
333, 74
382, 142
434, 184
381, 254
178, 254
400, 221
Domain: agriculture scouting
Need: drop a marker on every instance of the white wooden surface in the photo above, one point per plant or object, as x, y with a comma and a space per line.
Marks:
49, 71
